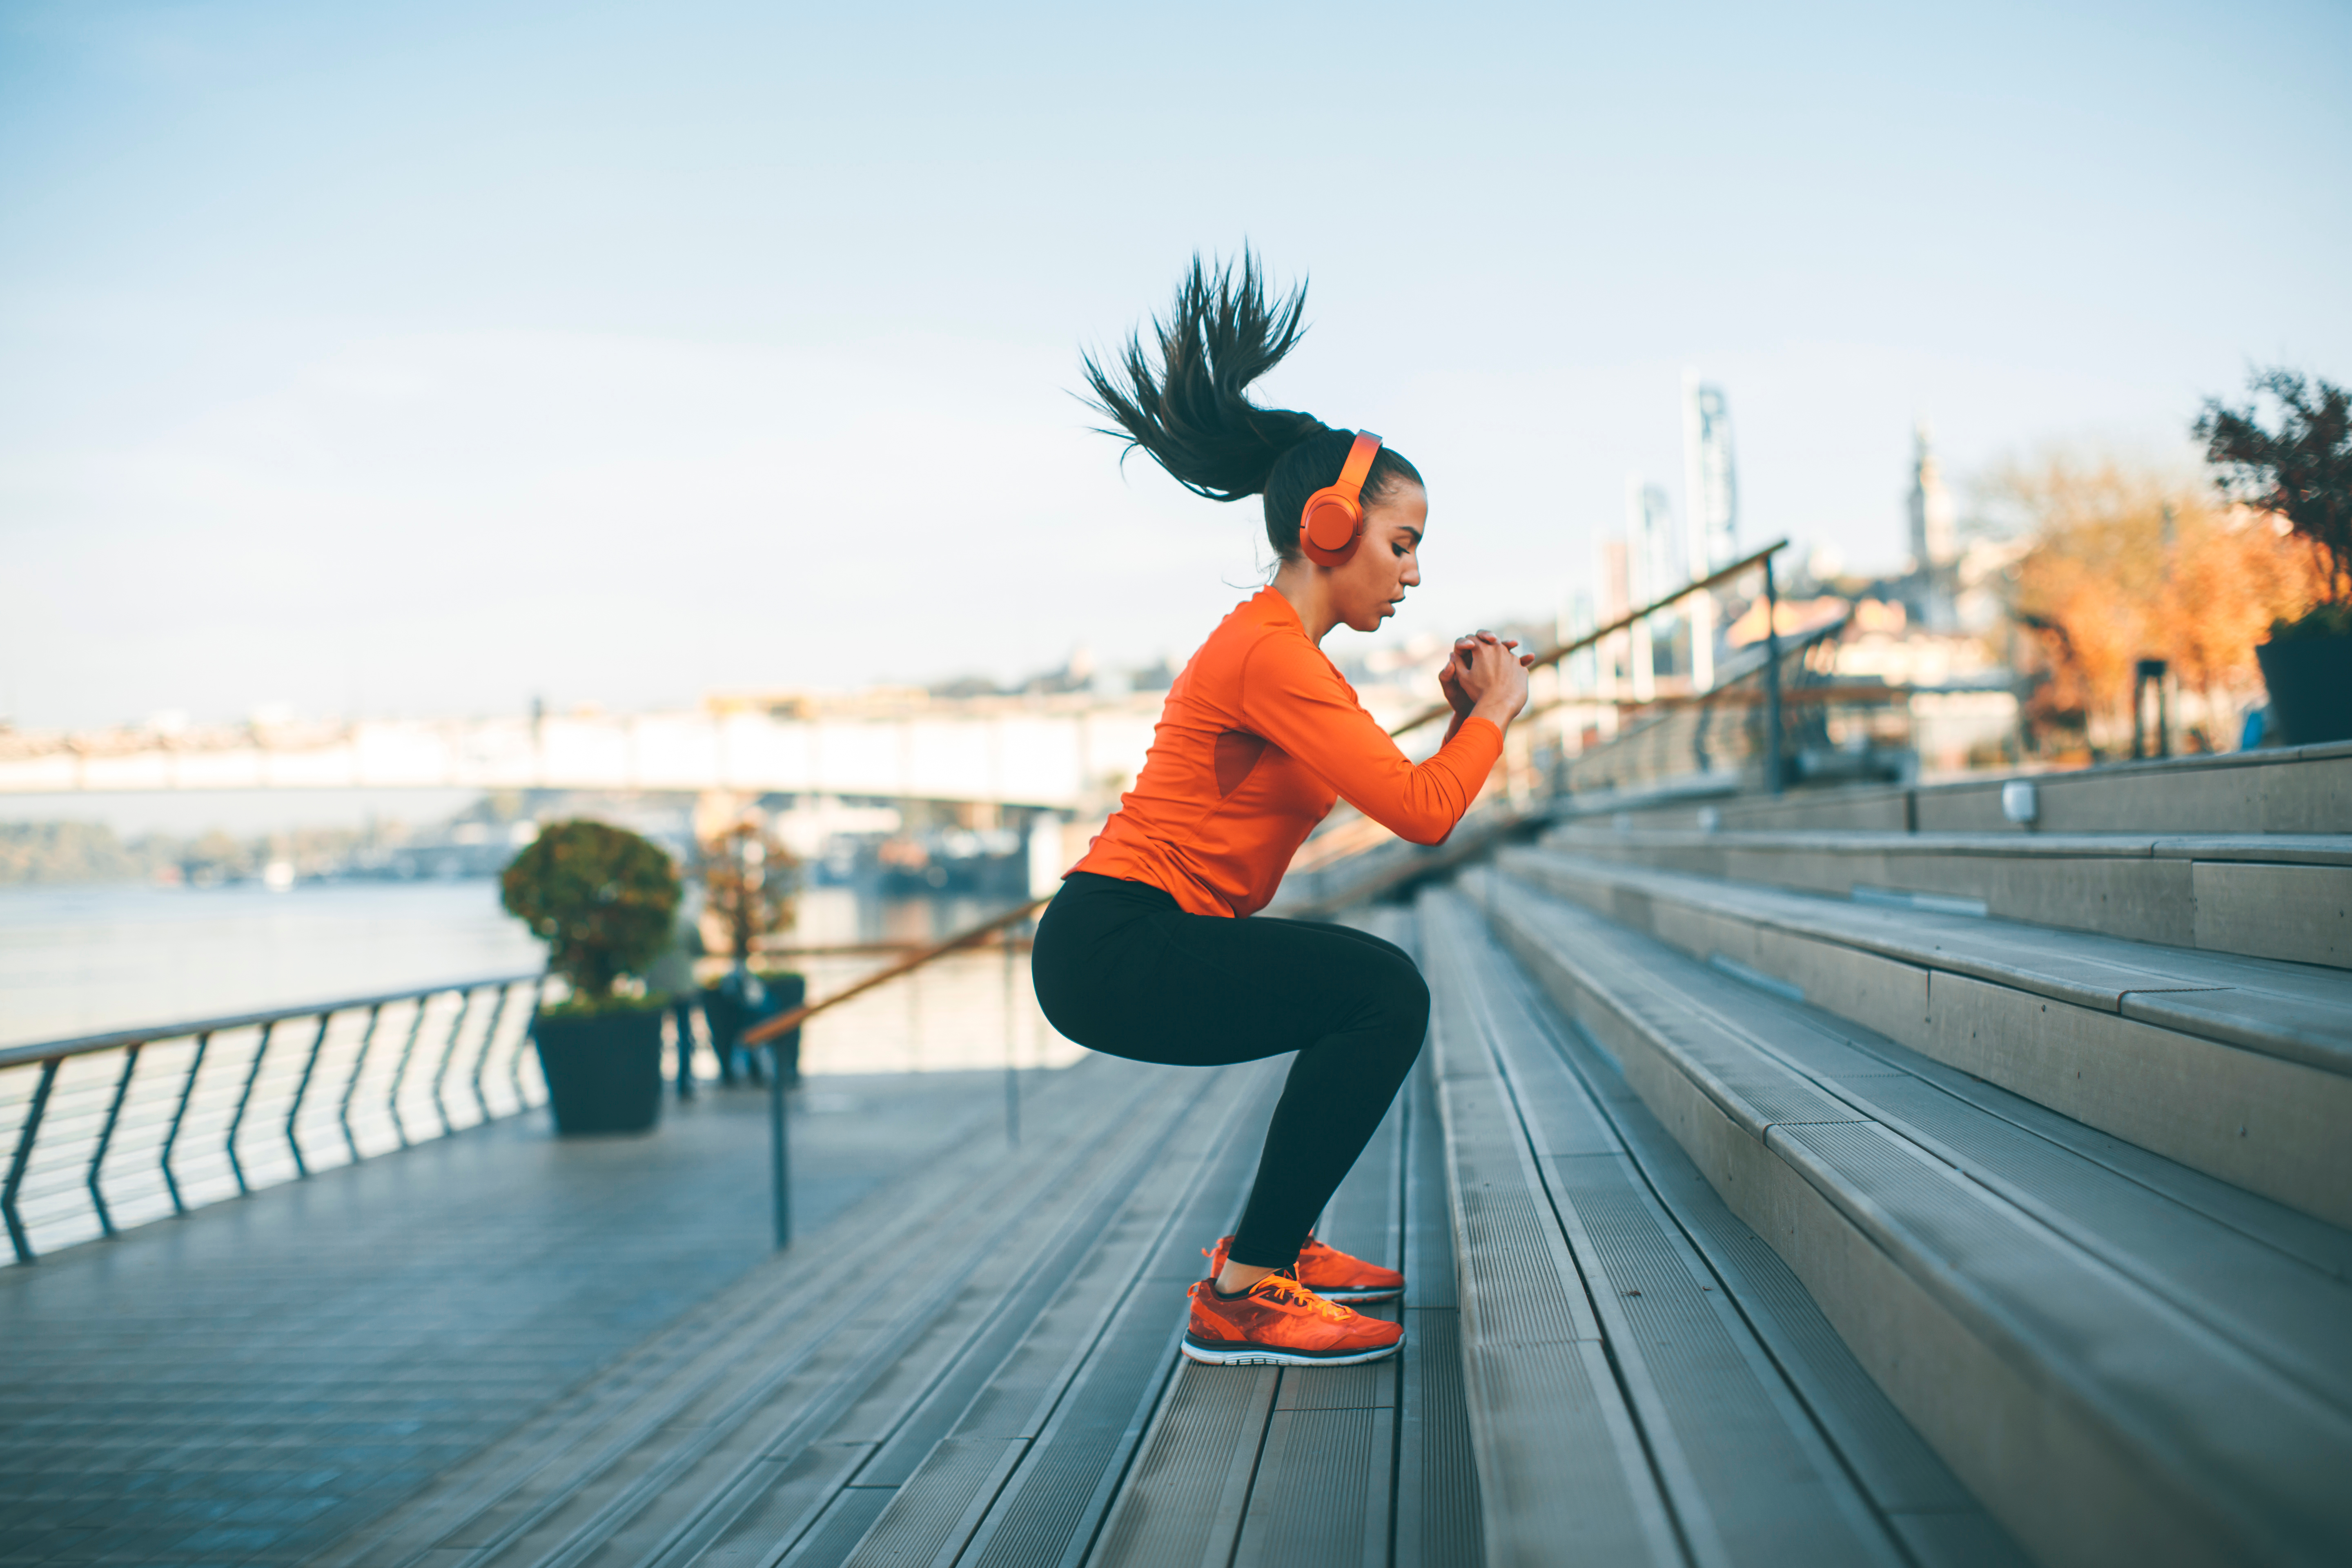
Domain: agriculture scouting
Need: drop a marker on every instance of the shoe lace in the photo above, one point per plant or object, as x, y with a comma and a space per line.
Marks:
1284, 1286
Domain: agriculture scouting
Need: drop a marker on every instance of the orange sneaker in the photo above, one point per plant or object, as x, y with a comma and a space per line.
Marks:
1327, 1271
1279, 1323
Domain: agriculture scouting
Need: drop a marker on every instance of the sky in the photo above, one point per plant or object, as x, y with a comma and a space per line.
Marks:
426, 359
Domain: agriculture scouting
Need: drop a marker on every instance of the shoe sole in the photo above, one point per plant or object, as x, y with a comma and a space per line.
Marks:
1231, 1353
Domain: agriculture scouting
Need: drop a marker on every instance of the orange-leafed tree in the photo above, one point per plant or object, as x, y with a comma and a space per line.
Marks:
748, 881
2129, 561
2299, 472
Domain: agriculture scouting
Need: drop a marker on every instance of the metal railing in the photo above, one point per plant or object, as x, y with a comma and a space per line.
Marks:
1551, 655
1353, 859
113, 1131
1751, 727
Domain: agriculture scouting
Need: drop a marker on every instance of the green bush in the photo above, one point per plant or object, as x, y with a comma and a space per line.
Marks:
602, 897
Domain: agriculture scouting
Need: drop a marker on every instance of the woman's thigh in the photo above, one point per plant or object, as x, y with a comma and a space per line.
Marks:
1197, 990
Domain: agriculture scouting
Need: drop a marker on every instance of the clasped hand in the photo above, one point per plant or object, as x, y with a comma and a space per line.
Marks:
1487, 677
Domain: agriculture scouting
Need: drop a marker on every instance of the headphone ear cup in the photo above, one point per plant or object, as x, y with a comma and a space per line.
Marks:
1328, 526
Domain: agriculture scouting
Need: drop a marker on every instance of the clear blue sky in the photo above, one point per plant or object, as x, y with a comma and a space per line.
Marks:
420, 358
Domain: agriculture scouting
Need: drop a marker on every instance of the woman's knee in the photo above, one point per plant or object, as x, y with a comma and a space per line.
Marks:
1401, 999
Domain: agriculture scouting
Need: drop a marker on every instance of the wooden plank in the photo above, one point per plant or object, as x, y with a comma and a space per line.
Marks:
670, 1384
1322, 1490
1084, 1425
1559, 1455
1437, 1513
1182, 1506
953, 1445
702, 1477
1321, 1498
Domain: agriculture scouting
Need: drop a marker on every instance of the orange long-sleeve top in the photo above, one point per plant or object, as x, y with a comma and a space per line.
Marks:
1260, 735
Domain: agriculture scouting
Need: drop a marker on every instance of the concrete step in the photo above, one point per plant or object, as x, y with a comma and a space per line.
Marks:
2124, 1361
2284, 896
2301, 789
1646, 1380
2241, 1067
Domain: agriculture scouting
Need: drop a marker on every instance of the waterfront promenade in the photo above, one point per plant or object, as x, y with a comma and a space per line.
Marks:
249, 1382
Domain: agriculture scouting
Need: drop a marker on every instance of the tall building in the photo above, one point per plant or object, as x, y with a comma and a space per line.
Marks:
1658, 566
1935, 542
1655, 570
1710, 491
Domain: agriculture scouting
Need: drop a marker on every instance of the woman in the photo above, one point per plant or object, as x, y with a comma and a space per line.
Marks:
1153, 948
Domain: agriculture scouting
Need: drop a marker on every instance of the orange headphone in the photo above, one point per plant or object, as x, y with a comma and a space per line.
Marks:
1333, 518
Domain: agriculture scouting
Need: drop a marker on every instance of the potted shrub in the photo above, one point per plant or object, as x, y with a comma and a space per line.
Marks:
602, 897
2301, 473
748, 880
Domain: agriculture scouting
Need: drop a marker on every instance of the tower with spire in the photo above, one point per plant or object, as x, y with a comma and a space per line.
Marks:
1935, 536
1935, 543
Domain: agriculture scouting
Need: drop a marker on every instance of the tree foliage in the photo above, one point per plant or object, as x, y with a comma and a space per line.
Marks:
2129, 563
748, 881
600, 897
2301, 472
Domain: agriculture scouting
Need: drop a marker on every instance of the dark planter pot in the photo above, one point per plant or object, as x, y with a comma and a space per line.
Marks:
2310, 679
728, 1018
604, 1071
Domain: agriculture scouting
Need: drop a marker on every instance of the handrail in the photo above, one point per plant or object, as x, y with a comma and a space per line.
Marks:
239, 1119
763, 948
785, 1023
1729, 696
1645, 743
17, 1055
1558, 651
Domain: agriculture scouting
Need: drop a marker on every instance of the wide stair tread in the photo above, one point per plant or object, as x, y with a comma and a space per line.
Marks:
2241, 1067
1647, 1379
2264, 895
2121, 1356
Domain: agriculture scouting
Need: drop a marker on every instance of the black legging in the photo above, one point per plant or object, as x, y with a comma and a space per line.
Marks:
1121, 968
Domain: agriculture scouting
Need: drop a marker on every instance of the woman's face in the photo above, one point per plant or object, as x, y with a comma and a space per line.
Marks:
1367, 587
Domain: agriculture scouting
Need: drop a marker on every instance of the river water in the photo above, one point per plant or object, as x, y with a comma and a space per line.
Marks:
89, 960
85, 960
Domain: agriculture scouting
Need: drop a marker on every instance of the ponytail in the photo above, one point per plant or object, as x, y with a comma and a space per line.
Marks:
1193, 418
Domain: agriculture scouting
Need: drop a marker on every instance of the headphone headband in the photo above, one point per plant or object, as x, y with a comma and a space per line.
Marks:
1358, 464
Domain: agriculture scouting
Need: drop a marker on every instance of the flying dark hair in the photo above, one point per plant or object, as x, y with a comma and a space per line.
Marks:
1192, 416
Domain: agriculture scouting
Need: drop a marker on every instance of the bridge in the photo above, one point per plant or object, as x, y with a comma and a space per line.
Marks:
1068, 754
